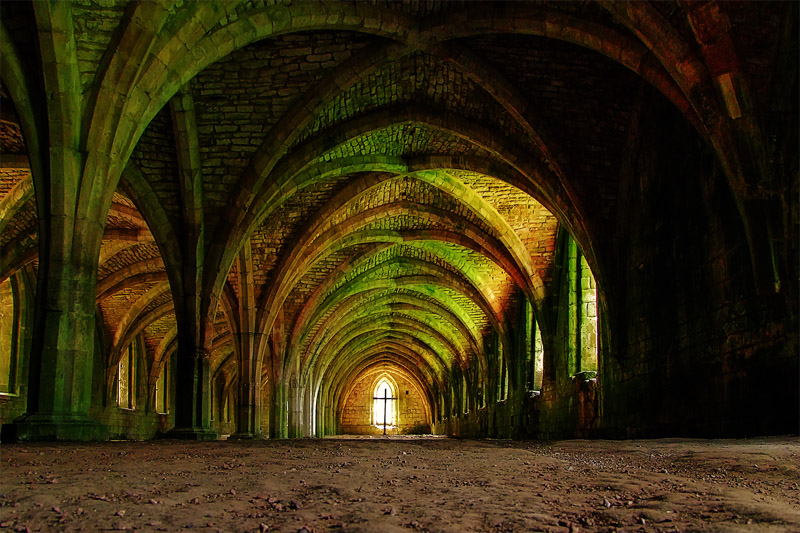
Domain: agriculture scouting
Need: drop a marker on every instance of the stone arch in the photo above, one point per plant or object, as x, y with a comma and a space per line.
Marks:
515, 262
343, 383
434, 275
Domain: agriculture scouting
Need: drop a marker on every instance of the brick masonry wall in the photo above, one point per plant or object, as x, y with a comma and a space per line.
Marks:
419, 78
591, 128
695, 348
355, 417
239, 99
11, 142
95, 22
142, 422
696, 351
22, 229
136, 424
155, 156
701, 353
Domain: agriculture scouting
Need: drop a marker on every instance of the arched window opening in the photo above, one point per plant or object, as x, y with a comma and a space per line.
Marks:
384, 408
9, 329
126, 379
538, 357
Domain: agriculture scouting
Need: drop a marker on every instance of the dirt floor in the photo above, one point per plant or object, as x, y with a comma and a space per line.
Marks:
402, 484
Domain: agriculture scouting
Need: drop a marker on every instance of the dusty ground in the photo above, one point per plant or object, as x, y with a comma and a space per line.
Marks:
382, 485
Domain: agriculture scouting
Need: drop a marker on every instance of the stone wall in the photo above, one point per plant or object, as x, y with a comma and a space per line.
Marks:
17, 295
385, 194
15, 382
701, 350
696, 349
356, 416
142, 422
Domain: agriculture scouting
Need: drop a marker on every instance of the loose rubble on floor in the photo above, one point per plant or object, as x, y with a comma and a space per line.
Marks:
402, 484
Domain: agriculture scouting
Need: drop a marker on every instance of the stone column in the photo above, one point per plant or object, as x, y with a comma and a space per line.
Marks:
295, 409
248, 412
70, 233
280, 411
192, 394
62, 350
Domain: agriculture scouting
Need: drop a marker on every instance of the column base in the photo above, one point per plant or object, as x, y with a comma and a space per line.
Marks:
40, 427
191, 433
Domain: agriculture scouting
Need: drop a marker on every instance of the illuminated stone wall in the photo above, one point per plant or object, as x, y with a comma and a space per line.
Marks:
295, 194
357, 411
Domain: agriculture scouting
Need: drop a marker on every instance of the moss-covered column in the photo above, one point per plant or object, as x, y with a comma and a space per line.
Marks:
573, 307
60, 379
193, 393
194, 305
248, 409
295, 397
523, 365
587, 311
280, 411
70, 234
193, 367
493, 395
308, 408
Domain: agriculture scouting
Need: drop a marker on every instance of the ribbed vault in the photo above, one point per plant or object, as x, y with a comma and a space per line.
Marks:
280, 202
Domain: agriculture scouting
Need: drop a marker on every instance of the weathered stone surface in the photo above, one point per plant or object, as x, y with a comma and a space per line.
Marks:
555, 220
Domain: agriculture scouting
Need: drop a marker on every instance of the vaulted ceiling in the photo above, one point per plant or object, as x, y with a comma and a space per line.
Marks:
364, 180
